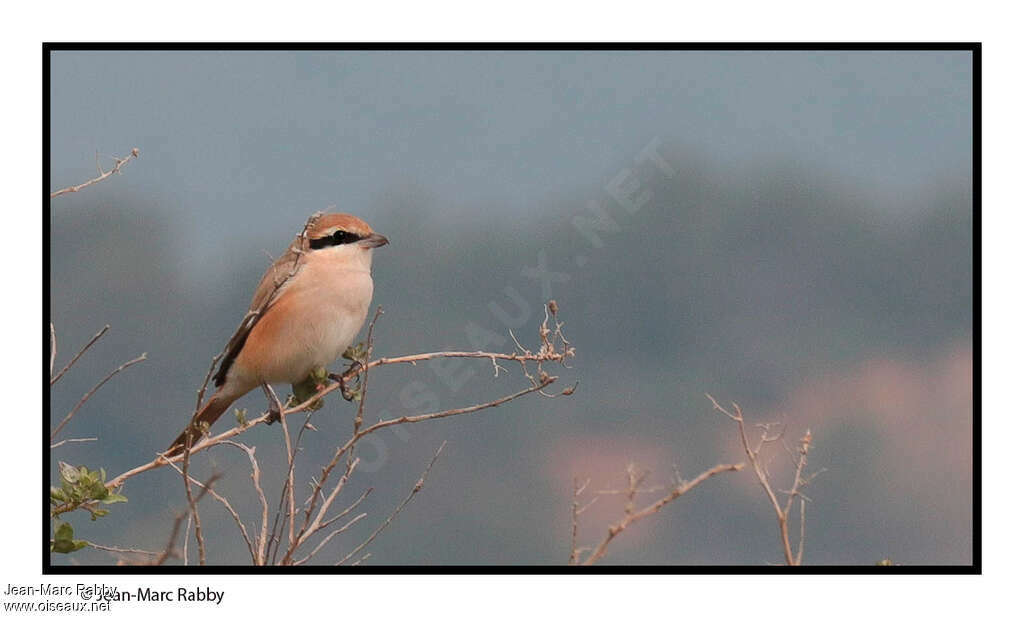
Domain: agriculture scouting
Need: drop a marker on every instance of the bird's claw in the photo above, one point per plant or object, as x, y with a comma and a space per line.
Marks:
349, 394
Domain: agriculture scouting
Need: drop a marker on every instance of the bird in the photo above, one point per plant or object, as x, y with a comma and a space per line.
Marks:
308, 308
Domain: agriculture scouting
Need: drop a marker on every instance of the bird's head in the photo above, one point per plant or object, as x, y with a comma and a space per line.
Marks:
343, 230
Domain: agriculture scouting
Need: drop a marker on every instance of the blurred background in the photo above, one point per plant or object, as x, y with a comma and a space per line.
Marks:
787, 230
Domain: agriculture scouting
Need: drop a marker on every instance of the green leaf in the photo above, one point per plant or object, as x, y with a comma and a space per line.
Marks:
67, 472
67, 546
114, 498
308, 387
355, 353
64, 531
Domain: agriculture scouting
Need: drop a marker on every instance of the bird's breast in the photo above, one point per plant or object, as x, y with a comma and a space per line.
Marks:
317, 317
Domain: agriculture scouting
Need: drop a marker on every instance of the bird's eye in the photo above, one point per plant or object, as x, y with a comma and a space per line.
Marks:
344, 237
340, 236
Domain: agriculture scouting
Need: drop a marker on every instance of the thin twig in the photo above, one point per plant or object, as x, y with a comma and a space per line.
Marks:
358, 420
224, 502
258, 550
799, 460
313, 524
633, 516
103, 175
115, 549
95, 337
233, 432
329, 537
274, 536
184, 541
577, 490
415, 489
362, 559
289, 486
548, 353
53, 348
178, 520
88, 394
192, 503
76, 440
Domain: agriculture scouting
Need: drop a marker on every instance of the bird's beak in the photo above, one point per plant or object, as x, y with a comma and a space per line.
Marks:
373, 241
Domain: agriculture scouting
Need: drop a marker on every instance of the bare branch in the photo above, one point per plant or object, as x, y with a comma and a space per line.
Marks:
53, 352
799, 460
258, 550
213, 440
224, 502
119, 163
115, 549
632, 515
329, 537
415, 489
577, 490
289, 486
192, 503
168, 551
53, 348
88, 394
76, 440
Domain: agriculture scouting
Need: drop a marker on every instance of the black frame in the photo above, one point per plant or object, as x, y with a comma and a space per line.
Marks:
973, 568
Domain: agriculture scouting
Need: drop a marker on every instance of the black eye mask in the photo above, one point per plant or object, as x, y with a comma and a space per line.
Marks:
338, 237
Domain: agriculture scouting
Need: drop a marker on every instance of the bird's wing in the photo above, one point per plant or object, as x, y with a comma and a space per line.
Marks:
267, 292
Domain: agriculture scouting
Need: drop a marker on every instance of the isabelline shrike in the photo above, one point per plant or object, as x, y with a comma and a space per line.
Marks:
307, 310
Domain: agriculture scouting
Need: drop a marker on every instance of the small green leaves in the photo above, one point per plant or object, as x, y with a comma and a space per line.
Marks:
240, 417
307, 388
356, 353
64, 540
81, 487
113, 498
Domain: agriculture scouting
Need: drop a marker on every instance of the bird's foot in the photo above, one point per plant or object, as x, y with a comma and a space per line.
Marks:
349, 394
274, 409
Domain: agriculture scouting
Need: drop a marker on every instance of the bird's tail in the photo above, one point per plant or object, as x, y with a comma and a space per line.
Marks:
202, 420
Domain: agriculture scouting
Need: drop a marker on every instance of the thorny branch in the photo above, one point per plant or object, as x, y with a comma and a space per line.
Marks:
118, 164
